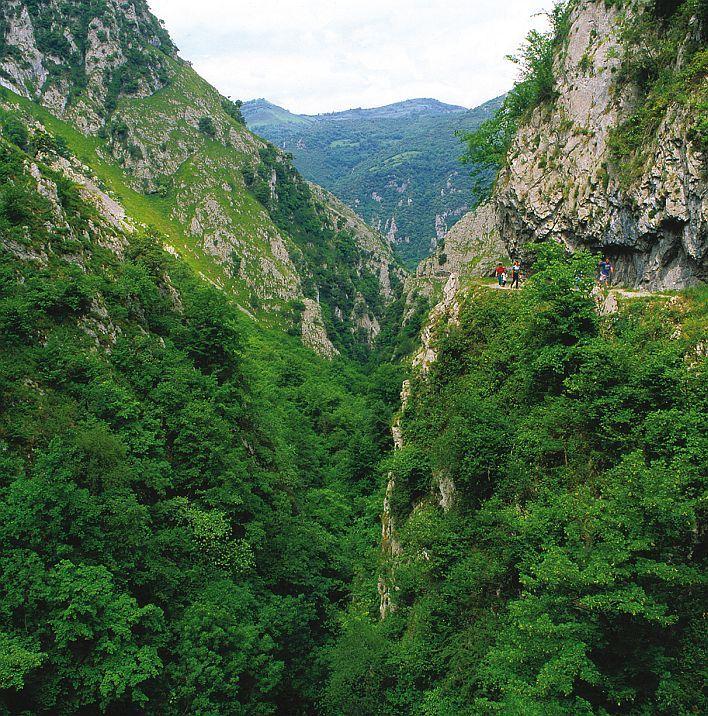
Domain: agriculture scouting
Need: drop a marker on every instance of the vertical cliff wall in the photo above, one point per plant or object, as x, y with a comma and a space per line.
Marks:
617, 161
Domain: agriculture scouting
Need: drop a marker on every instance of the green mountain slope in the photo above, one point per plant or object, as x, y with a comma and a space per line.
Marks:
397, 165
154, 131
178, 484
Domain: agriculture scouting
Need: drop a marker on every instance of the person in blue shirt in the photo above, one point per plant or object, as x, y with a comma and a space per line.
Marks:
606, 270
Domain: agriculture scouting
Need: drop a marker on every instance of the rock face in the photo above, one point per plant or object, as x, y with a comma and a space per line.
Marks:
472, 247
314, 334
445, 313
376, 254
561, 181
108, 227
78, 58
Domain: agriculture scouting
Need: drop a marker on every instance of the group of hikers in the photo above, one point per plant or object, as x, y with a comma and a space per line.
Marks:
503, 276
605, 271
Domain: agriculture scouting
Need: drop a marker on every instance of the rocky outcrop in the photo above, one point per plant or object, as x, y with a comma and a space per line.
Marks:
78, 58
471, 247
107, 227
562, 182
374, 258
390, 546
314, 334
23, 70
376, 254
446, 312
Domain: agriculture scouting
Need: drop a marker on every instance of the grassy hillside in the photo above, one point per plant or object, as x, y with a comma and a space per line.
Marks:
177, 155
398, 166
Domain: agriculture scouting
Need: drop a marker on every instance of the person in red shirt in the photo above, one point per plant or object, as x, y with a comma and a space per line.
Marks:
500, 271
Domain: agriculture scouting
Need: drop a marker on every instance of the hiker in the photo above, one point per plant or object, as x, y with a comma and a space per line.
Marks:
515, 274
606, 270
500, 271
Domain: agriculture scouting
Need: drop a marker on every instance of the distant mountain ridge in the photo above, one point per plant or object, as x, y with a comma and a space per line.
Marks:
396, 165
258, 110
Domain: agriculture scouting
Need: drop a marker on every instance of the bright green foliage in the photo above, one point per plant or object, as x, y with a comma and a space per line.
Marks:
15, 661
183, 495
665, 61
568, 576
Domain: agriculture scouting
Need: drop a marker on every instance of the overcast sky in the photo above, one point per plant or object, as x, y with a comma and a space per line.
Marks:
325, 55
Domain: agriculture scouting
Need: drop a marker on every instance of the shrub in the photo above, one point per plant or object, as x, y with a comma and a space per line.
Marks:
15, 131
206, 126
233, 109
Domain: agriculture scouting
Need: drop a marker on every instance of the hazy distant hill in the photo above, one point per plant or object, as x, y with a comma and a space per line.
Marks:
398, 165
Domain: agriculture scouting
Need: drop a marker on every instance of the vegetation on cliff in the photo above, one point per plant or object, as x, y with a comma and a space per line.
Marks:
568, 574
663, 62
664, 57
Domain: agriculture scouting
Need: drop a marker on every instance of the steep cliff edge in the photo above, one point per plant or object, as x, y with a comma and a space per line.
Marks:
616, 161
471, 247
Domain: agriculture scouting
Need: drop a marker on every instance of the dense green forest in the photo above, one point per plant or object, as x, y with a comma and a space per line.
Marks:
566, 574
183, 493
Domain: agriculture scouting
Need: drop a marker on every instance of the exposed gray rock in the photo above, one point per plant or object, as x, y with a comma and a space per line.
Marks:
560, 181
314, 334
377, 255
471, 247
27, 76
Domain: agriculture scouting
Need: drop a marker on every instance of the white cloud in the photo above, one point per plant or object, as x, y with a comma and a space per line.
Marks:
326, 55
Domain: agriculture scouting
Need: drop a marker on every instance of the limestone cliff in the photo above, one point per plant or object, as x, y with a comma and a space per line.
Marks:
444, 314
78, 58
568, 176
471, 247
375, 259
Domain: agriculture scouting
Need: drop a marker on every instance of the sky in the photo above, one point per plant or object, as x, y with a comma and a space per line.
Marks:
313, 56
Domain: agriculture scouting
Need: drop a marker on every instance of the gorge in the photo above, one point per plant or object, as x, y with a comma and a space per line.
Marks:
259, 457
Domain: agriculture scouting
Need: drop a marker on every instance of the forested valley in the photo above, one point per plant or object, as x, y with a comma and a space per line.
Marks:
251, 465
